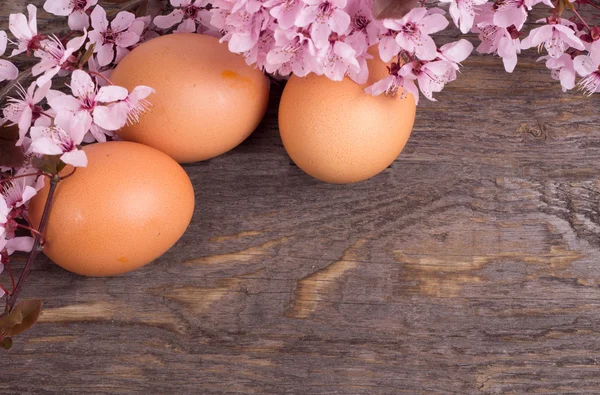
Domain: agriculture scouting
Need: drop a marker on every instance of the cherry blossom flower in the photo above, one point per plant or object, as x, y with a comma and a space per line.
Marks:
510, 12
127, 111
246, 29
20, 190
114, 35
23, 244
25, 31
55, 57
338, 58
562, 70
257, 55
395, 81
75, 9
363, 32
323, 17
431, 76
588, 67
499, 40
463, 12
186, 15
86, 98
285, 11
25, 110
414, 29
8, 71
294, 52
61, 139
555, 37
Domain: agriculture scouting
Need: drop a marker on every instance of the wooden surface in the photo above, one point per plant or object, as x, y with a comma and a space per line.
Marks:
472, 265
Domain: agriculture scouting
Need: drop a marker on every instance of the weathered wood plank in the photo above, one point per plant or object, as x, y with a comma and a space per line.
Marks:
470, 266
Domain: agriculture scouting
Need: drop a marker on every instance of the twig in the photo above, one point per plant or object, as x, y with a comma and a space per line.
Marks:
37, 247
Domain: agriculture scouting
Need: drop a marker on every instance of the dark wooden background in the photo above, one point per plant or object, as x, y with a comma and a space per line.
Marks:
472, 265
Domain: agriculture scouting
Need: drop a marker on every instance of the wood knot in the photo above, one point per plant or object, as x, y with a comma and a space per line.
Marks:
538, 130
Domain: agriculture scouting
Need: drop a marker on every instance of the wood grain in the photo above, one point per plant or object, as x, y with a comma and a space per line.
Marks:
472, 265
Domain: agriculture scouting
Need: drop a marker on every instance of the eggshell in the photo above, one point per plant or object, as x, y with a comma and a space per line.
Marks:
207, 99
125, 209
337, 133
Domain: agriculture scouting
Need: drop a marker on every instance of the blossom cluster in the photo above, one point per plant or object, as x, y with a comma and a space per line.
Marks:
51, 125
332, 38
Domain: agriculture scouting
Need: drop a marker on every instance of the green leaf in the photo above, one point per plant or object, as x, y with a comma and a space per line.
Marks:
87, 55
23, 316
49, 164
392, 9
6, 343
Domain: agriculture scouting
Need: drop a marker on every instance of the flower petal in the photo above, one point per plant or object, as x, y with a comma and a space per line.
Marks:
111, 93
122, 21
127, 39
79, 20
99, 21
76, 158
58, 7
166, 21
106, 54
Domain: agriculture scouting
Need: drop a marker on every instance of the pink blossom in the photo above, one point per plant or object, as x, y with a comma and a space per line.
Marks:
86, 98
431, 76
8, 71
388, 47
19, 191
395, 81
25, 110
323, 17
455, 52
294, 52
463, 12
126, 111
246, 29
23, 244
110, 36
55, 57
75, 9
414, 29
187, 15
257, 55
285, 11
499, 40
337, 59
562, 70
25, 30
555, 37
510, 12
61, 139
588, 66
363, 32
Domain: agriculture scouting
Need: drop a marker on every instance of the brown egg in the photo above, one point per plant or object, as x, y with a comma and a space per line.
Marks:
125, 209
207, 99
337, 133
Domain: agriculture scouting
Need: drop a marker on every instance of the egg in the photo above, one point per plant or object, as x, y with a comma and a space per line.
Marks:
207, 99
125, 209
337, 133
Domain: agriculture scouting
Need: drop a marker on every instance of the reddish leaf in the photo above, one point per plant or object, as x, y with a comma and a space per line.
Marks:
392, 9
23, 316
10, 154
151, 8
6, 343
